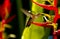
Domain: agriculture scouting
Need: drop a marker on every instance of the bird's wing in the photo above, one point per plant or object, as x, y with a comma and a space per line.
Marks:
26, 13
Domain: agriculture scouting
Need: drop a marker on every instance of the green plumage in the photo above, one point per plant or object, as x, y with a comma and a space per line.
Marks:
33, 31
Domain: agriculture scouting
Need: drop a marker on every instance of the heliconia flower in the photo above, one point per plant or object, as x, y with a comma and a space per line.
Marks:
4, 13
55, 3
3, 7
56, 33
0, 35
3, 25
44, 24
50, 7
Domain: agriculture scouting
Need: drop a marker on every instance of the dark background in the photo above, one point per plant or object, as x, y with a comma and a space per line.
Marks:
15, 23
16, 27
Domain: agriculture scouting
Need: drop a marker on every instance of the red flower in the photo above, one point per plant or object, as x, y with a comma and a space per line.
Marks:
44, 24
3, 7
49, 7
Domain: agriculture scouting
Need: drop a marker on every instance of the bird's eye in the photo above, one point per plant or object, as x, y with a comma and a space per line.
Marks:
29, 11
1, 2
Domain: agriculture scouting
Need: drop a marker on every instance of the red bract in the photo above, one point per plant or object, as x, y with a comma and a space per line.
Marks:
3, 7
0, 35
44, 24
55, 3
49, 7
5, 22
10, 19
56, 33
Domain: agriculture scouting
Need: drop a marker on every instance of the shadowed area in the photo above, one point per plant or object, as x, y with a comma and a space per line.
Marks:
1, 2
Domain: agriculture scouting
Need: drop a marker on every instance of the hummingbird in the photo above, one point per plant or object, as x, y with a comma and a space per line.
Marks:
32, 16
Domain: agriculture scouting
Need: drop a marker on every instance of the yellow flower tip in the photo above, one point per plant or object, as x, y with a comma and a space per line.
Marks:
48, 15
47, 20
8, 26
1, 28
7, 14
54, 26
51, 2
